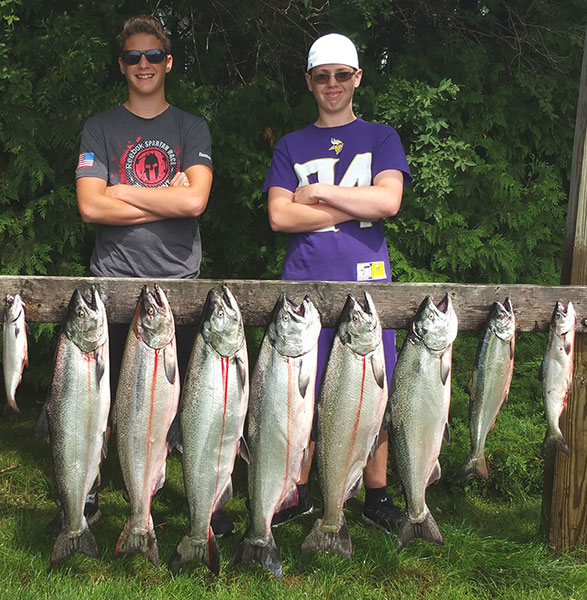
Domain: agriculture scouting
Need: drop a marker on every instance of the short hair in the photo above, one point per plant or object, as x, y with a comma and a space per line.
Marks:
144, 24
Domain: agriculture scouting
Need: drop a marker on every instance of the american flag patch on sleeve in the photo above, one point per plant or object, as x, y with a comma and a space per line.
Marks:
86, 159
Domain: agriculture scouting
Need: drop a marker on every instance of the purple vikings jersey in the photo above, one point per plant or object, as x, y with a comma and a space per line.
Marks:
349, 155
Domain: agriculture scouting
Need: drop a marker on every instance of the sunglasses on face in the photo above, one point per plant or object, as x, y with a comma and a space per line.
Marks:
340, 76
133, 57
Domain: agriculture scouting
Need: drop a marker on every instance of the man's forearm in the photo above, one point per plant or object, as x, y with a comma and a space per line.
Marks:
167, 203
290, 217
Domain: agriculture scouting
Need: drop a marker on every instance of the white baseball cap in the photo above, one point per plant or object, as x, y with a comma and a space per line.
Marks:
333, 49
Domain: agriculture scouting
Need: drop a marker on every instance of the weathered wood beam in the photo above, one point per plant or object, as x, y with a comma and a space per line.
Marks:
47, 299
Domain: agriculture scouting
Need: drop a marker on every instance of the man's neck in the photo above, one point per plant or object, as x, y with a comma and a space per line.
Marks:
334, 120
147, 108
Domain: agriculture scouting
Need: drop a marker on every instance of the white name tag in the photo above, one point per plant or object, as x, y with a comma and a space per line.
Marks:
370, 270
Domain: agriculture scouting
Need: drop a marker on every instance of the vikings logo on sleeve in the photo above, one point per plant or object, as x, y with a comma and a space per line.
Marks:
150, 163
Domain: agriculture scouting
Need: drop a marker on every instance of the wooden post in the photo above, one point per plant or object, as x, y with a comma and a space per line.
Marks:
565, 511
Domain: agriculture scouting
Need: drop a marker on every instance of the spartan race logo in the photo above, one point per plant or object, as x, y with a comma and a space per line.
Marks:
150, 163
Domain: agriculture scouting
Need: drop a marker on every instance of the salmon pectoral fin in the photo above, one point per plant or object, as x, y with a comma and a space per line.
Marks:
100, 364
568, 346
378, 368
303, 378
242, 371
170, 362
445, 363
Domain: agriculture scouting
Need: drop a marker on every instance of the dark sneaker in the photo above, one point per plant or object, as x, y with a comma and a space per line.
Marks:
91, 512
383, 514
221, 524
293, 512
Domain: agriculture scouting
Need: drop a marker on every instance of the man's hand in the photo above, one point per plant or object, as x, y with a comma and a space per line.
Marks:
180, 178
308, 194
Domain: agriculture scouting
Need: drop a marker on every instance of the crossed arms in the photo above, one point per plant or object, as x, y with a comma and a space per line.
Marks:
320, 205
186, 196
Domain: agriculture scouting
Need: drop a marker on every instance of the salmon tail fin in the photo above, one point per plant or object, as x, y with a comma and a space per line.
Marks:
66, 545
253, 551
556, 441
11, 402
323, 538
132, 540
474, 466
427, 530
193, 549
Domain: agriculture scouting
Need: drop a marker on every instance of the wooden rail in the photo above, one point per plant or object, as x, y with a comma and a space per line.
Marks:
47, 298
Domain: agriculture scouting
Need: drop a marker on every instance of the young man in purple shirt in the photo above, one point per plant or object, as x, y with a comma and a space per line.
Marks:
329, 186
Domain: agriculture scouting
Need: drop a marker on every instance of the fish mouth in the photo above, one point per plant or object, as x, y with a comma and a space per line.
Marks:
89, 303
296, 310
564, 314
227, 297
14, 303
442, 306
433, 325
153, 299
157, 296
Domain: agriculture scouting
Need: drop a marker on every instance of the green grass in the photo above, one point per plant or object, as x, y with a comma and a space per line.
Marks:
492, 546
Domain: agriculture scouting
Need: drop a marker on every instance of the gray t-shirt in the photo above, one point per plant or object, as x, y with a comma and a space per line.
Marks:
121, 147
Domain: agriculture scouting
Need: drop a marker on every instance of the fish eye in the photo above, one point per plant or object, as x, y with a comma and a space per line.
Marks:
221, 314
150, 311
80, 313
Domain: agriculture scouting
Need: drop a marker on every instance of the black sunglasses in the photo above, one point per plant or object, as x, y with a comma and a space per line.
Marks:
132, 57
340, 76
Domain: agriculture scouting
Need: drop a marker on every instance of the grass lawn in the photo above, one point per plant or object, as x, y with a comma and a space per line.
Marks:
492, 545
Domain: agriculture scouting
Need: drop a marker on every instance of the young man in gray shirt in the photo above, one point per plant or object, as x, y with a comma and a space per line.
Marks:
144, 175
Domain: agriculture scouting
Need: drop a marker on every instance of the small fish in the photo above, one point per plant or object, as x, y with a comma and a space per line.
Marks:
75, 417
419, 399
490, 383
14, 347
146, 404
212, 414
556, 372
281, 409
352, 401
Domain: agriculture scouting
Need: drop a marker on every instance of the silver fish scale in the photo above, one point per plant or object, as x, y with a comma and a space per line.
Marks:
419, 403
146, 404
350, 412
489, 387
14, 348
213, 410
280, 421
557, 371
78, 413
